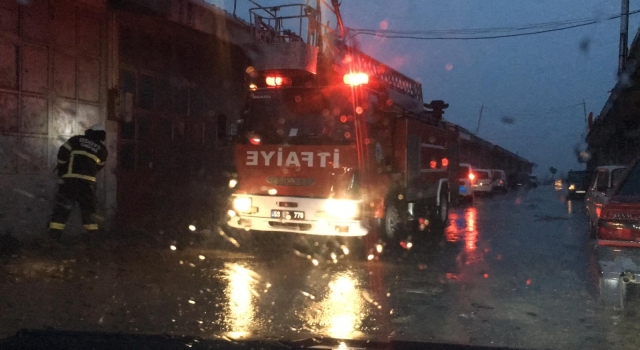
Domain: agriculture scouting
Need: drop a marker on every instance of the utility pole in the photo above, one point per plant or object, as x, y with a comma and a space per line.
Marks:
479, 119
584, 108
624, 36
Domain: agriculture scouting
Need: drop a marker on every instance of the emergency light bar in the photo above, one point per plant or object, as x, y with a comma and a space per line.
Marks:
355, 79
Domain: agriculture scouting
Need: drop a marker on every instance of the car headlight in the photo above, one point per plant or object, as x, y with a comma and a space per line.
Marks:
233, 183
342, 208
572, 187
242, 204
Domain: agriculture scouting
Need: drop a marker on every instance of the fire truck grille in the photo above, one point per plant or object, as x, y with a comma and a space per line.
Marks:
290, 181
290, 225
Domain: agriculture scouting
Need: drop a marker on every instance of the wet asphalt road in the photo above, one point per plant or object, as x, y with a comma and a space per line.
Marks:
511, 270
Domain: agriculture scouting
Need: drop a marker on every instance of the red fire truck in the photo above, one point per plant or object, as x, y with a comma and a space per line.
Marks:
333, 142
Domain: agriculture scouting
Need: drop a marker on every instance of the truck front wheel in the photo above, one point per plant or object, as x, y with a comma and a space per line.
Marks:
391, 222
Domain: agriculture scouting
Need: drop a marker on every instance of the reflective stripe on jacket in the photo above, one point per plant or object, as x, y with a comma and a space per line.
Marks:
81, 158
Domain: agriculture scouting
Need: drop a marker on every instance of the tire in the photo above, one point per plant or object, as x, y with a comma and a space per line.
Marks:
393, 226
391, 223
441, 217
611, 295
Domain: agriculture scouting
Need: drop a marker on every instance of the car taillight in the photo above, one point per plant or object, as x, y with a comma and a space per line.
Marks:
277, 81
618, 225
598, 211
471, 176
614, 231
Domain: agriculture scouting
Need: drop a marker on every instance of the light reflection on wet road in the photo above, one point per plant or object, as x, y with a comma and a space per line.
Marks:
511, 270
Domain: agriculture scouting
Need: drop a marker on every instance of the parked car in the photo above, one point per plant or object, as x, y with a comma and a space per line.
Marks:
577, 183
483, 182
605, 178
499, 180
466, 177
617, 248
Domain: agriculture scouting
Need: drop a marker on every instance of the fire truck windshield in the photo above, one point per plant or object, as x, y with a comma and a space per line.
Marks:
300, 116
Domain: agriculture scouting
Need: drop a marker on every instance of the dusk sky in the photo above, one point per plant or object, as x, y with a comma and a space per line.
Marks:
538, 81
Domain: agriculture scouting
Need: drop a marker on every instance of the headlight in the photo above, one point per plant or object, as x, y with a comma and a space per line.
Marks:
341, 208
572, 187
242, 204
233, 183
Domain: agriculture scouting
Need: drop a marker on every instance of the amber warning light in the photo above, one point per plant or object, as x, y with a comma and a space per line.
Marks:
355, 79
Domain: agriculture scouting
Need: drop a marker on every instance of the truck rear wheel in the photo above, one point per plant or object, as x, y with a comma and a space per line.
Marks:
442, 216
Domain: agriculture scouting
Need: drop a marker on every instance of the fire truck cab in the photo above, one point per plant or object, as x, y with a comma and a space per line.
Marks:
333, 142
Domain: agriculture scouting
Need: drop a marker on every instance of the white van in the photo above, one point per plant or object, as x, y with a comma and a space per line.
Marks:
499, 180
483, 182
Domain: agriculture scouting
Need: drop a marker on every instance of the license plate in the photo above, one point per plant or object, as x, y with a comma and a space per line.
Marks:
463, 189
287, 214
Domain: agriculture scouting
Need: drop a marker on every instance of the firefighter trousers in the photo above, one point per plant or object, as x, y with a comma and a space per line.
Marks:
71, 191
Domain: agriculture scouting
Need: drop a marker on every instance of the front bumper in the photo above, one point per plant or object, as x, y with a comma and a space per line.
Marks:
313, 224
614, 262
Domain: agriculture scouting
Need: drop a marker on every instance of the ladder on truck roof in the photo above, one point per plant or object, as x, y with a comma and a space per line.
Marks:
385, 74
268, 27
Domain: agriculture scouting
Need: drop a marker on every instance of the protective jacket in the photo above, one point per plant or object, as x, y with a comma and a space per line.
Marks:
81, 157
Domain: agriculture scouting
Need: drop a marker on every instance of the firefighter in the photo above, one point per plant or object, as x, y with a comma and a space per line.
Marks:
79, 161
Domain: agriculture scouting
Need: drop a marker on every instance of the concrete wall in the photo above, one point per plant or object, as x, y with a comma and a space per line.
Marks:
52, 86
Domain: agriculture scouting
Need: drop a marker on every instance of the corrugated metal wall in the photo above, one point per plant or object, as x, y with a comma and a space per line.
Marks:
52, 86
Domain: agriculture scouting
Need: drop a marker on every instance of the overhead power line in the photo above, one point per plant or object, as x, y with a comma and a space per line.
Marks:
488, 33
481, 30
